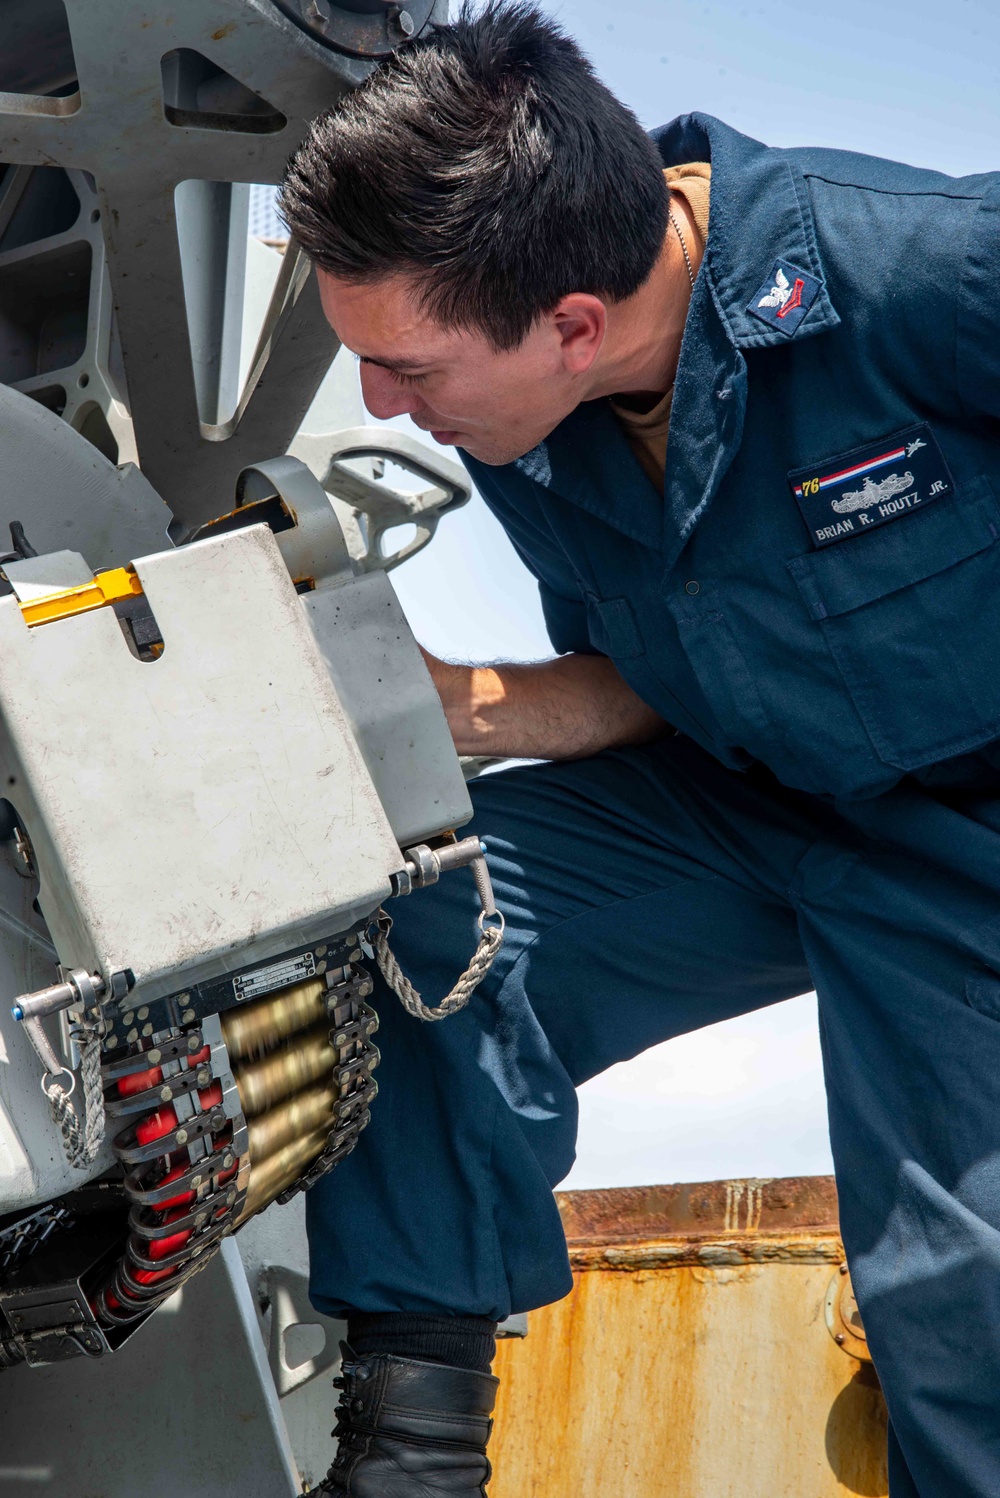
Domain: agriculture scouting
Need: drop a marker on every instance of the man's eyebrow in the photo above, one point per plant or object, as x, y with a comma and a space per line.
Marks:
398, 366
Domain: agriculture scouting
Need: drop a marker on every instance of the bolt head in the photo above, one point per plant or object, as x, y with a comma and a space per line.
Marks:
406, 23
840, 1339
182, 1136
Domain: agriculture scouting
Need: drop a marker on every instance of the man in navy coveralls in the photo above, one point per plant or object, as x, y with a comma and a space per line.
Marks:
771, 731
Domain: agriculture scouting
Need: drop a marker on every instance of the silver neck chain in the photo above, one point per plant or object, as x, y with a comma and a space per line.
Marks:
684, 249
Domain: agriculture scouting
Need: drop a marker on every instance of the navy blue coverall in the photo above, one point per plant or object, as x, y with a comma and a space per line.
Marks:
815, 605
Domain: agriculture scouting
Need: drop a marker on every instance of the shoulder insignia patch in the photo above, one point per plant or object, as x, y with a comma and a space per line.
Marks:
785, 297
858, 490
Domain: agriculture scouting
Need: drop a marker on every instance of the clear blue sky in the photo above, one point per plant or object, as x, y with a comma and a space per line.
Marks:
918, 82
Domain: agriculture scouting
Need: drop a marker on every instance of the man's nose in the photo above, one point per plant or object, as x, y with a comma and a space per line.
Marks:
383, 395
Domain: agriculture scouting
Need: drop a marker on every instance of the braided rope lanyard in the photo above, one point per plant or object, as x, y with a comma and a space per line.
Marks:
490, 942
82, 1134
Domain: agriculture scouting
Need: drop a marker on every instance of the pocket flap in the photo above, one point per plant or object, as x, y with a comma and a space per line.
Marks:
613, 628
855, 572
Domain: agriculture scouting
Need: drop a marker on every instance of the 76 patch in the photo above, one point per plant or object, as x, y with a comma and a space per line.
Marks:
858, 490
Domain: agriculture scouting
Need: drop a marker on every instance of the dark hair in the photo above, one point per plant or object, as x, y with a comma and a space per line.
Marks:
488, 160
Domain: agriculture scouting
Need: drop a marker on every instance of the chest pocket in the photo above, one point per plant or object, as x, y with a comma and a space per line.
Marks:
911, 616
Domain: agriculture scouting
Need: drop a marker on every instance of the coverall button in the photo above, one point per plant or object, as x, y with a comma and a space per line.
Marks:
692, 588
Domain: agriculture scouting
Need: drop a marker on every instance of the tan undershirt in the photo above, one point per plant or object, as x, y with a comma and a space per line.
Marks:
646, 431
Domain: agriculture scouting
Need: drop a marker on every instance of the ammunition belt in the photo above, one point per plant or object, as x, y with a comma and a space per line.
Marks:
228, 1111
226, 1097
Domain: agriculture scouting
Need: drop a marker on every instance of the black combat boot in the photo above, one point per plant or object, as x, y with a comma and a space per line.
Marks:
409, 1429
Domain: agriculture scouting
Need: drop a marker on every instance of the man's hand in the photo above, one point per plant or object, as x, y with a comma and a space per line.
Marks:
561, 709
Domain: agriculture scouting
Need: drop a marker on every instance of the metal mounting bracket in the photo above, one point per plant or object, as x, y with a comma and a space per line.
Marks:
368, 508
287, 1292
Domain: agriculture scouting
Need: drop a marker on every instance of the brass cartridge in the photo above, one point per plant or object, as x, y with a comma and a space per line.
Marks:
255, 1029
300, 1115
302, 1060
280, 1170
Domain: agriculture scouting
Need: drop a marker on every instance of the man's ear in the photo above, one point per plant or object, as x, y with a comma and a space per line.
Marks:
579, 322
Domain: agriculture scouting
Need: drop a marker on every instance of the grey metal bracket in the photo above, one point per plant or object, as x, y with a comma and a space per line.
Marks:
315, 549
514, 1326
368, 508
287, 1292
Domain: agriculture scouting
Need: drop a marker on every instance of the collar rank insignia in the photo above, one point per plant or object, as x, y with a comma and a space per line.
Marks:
855, 492
785, 297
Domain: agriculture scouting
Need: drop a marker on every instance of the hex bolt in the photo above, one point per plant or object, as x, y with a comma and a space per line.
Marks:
406, 24
182, 1136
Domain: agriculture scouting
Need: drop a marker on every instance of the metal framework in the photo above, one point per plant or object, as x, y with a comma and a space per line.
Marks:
121, 277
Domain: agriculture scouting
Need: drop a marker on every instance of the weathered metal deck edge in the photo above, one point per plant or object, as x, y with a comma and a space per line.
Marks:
709, 1223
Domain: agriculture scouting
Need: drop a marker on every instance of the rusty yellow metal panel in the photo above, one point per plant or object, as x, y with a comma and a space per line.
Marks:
694, 1358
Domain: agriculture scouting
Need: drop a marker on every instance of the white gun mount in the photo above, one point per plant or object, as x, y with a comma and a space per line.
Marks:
214, 761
